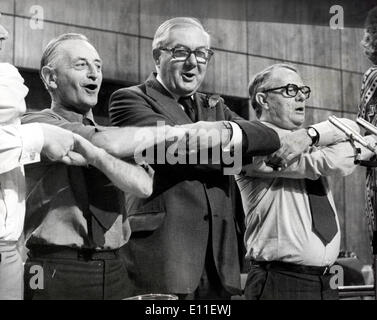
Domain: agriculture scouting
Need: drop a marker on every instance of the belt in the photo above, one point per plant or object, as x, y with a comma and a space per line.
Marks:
291, 267
60, 252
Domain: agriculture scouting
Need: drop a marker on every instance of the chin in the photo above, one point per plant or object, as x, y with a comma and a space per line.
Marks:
189, 90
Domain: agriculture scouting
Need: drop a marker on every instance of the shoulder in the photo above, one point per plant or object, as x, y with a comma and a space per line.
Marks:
45, 115
6, 69
370, 75
133, 91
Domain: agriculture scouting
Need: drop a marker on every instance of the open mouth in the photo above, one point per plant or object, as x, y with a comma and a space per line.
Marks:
300, 109
188, 76
91, 88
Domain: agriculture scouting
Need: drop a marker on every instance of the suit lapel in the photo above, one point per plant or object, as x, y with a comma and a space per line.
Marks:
166, 104
204, 111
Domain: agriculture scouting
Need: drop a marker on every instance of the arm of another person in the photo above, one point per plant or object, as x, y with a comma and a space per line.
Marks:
257, 139
128, 177
19, 144
337, 159
295, 143
130, 109
131, 178
12, 92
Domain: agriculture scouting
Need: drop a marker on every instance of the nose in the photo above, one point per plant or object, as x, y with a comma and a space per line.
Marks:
300, 96
92, 72
191, 60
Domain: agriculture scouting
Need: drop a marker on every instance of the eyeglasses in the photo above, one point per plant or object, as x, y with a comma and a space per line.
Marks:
202, 55
292, 90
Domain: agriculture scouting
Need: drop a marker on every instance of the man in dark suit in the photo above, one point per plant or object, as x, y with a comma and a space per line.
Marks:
184, 238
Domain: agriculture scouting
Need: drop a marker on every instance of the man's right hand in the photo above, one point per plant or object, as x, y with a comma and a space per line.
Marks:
59, 144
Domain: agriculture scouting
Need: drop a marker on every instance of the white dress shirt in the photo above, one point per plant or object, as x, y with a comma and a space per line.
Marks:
19, 144
276, 205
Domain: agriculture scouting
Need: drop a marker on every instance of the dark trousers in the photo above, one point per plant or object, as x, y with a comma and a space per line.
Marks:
270, 284
68, 277
210, 286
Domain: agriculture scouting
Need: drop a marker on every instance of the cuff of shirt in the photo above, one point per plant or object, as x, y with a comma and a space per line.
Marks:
236, 140
329, 134
32, 143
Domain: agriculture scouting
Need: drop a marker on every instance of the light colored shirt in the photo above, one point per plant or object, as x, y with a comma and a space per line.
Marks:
18, 145
59, 196
276, 204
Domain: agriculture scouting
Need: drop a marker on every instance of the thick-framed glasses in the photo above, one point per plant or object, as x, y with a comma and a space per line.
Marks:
202, 55
292, 90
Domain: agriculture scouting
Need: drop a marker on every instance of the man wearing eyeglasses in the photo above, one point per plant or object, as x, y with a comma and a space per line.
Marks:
184, 238
292, 233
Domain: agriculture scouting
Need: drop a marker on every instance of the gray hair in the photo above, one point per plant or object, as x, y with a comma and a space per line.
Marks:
369, 41
163, 30
50, 51
260, 82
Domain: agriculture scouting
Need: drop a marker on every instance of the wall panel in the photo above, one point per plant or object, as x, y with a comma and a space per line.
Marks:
121, 16
353, 58
356, 234
351, 90
118, 52
226, 75
6, 6
225, 20
300, 43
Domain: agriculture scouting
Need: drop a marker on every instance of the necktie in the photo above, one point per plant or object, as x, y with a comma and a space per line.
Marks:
103, 201
323, 217
188, 105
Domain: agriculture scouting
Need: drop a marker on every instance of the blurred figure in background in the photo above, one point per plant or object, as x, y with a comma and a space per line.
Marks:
368, 111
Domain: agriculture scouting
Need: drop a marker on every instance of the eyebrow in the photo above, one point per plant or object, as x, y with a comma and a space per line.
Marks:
182, 45
85, 59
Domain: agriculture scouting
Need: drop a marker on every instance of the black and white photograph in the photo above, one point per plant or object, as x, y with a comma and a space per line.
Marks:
211, 152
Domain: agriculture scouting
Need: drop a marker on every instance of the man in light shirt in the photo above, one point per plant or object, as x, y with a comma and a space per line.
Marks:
19, 145
289, 248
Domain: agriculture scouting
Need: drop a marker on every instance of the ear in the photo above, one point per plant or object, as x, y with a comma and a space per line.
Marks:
261, 98
49, 77
156, 56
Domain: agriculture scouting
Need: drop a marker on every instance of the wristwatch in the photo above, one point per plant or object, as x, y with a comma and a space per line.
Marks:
314, 135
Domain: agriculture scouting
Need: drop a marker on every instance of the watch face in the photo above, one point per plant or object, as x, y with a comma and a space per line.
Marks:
312, 132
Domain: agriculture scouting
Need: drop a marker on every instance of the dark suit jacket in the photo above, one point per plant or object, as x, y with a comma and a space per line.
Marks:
190, 204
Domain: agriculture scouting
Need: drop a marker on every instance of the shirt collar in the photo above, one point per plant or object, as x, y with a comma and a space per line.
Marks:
70, 115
